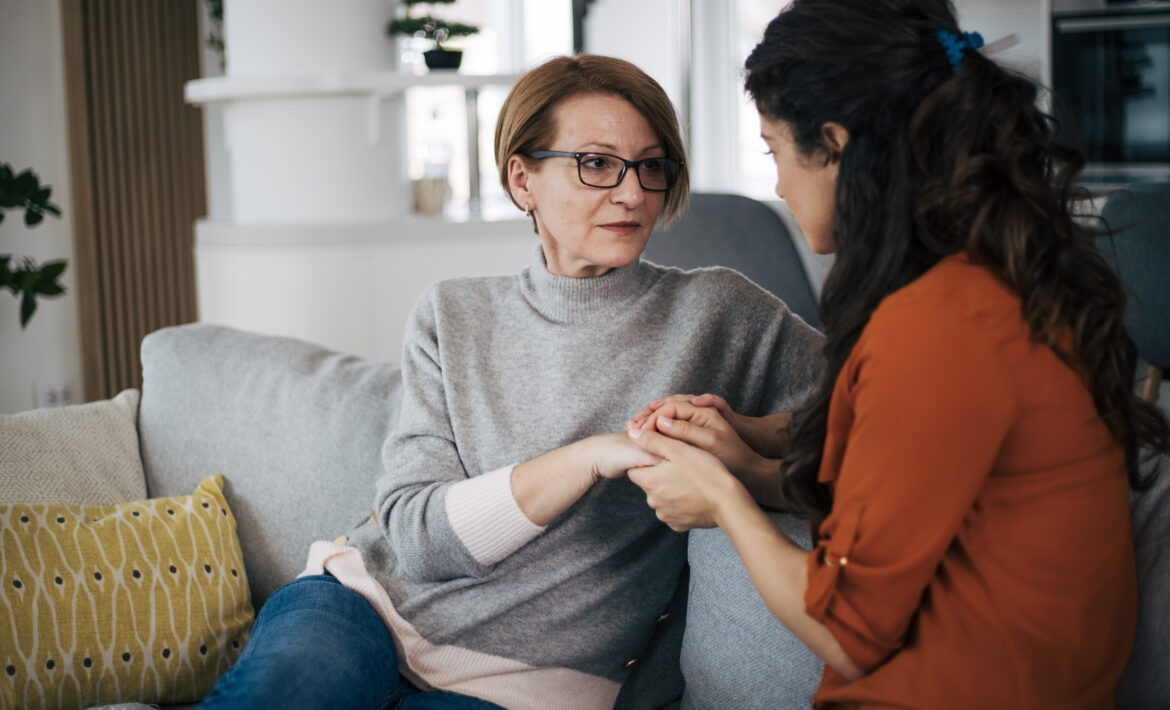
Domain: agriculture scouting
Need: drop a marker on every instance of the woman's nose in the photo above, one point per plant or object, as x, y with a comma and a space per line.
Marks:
628, 189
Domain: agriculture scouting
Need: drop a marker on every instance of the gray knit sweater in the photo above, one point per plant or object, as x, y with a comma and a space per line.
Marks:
499, 370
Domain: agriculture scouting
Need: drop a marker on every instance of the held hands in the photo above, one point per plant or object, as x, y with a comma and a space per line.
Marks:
689, 488
705, 428
611, 455
767, 436
703, 422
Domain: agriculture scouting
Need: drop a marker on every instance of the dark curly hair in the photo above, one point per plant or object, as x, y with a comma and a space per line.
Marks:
939, 162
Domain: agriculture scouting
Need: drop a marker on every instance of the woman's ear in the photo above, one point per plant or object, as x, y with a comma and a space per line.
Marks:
835, 136
518, 175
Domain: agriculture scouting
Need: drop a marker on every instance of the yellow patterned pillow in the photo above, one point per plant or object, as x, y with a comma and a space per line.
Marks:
144, 601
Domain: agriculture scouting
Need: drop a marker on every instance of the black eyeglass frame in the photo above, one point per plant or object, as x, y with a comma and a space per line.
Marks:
671, 178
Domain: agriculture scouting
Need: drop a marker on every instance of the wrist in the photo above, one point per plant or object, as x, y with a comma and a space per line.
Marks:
735, 499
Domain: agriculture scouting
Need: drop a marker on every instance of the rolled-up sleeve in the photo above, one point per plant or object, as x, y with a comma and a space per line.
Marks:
918, 415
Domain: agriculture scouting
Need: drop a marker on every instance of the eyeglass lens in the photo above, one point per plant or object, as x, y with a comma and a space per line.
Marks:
601, 170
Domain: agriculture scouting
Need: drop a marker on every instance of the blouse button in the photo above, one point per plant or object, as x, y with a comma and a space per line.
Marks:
663, 616
631, 662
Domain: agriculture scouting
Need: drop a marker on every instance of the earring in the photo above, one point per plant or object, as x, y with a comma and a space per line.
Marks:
527, 212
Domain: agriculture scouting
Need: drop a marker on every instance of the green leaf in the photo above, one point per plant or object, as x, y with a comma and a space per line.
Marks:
52, 270
47, 288
1, 216
26, 182
51, 209
28, 304
33, 216
27, 278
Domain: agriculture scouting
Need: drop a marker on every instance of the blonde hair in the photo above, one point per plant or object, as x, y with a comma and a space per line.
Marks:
527, 121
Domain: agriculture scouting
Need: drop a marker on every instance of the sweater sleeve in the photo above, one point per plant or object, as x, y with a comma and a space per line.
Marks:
441, 520
796, 365
918, 416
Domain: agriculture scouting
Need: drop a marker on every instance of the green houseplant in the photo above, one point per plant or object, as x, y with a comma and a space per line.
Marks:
436, 29
21, 275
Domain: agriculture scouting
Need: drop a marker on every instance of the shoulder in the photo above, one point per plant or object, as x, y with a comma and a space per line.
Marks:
958, 313
470, 287
953, 296
716, 286
451, 296
944, 338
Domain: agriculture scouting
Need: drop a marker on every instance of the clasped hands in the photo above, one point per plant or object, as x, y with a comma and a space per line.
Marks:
708, 458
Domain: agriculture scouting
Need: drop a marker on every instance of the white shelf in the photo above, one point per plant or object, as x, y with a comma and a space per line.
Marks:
411, 228
374, 84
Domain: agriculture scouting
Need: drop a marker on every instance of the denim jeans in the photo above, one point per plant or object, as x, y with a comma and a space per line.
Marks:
316, 644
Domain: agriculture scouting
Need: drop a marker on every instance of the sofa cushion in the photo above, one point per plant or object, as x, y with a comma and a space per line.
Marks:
296, 429
86, 454
142, 601
735, 652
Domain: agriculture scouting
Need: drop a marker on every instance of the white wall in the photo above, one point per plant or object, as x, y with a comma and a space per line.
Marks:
33, 134
1027, 19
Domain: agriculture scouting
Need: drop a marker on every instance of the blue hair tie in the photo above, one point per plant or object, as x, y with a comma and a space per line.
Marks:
954, 45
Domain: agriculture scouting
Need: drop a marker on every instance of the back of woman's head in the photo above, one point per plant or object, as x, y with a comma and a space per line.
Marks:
948, 152
527, 120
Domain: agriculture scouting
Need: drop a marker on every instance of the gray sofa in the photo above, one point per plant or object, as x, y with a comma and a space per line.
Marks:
296, 431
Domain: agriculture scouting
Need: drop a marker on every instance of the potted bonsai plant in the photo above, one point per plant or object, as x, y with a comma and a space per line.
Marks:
435, 29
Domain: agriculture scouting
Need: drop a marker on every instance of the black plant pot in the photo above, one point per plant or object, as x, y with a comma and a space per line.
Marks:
443, 58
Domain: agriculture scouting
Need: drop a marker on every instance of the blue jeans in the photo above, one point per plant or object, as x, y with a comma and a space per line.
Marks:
316, 644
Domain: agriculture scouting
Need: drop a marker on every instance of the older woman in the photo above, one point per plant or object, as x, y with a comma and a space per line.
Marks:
519, 566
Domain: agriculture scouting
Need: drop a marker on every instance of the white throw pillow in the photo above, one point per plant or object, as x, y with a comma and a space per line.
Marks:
85, 454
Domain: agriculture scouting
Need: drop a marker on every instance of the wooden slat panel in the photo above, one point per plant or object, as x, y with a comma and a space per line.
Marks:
85, 267
137, 155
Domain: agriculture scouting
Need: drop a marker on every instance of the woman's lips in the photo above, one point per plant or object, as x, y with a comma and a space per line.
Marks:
622, 227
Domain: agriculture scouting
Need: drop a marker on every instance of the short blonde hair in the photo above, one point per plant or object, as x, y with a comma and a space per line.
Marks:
527, 123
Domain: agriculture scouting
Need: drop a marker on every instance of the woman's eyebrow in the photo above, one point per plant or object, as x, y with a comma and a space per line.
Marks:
613, 149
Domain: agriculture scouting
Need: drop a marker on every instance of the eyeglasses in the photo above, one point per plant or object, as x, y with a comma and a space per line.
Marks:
605, 170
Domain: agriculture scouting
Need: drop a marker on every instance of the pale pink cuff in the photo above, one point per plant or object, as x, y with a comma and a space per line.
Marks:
486, 517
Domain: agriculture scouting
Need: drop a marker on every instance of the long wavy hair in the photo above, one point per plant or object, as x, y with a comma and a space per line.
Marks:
940, 162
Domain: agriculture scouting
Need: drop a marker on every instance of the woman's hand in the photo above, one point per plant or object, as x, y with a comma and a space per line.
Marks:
767, 436
706, 428
689, 487
545, 487
611, 455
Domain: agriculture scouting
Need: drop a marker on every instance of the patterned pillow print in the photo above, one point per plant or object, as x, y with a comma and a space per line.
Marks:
144, 601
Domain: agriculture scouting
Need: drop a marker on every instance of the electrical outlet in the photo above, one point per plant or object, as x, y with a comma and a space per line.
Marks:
52, 394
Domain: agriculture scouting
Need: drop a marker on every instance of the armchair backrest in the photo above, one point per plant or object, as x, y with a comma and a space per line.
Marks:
742, 234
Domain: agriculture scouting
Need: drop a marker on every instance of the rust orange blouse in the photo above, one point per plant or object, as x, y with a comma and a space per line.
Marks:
978, 552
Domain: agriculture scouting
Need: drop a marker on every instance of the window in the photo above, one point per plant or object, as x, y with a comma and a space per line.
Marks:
514, 34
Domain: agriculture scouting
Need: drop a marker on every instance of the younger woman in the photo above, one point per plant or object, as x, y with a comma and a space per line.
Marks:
966, 457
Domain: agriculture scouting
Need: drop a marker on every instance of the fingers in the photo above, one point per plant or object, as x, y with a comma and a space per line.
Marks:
657, 444
639, 418
682, 430
670, 410
712, 400
650, 480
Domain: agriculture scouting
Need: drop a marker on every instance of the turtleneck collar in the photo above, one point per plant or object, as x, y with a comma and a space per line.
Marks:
563, 299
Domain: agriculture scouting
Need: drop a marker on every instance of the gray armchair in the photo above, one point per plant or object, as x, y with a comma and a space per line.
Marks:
724, 230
